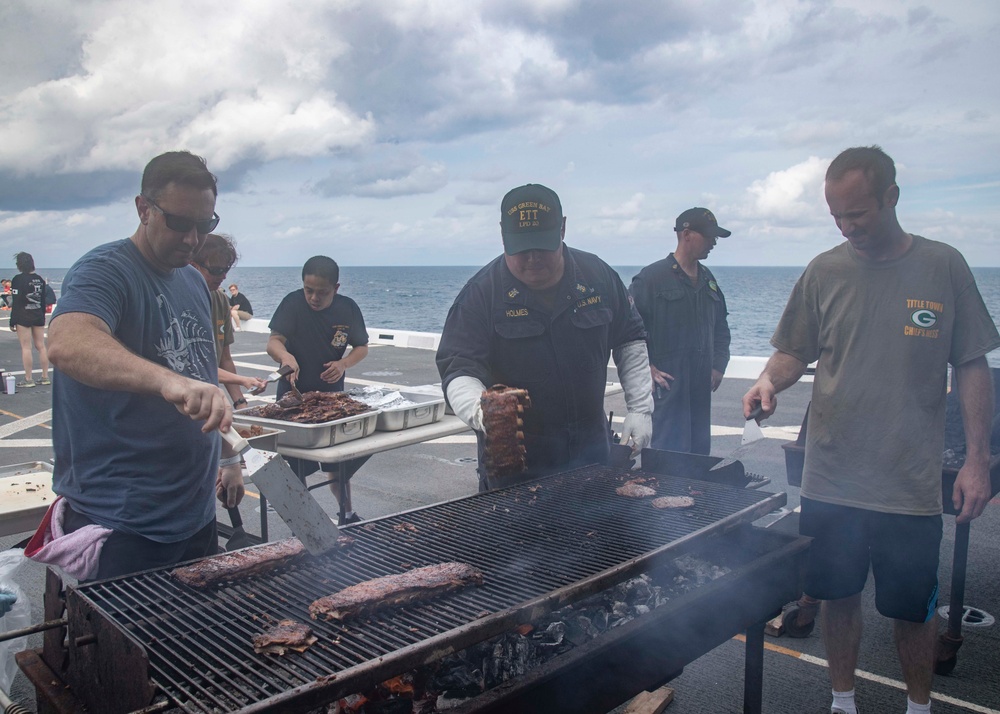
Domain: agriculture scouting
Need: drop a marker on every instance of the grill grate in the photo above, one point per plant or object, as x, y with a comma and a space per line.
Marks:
539, 545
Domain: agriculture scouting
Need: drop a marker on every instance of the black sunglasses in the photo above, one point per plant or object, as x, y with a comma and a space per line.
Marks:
182, 224
217, 272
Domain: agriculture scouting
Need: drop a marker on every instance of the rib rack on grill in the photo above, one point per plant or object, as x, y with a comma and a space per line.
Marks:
231, 566
315, 408
503, 407
392, 590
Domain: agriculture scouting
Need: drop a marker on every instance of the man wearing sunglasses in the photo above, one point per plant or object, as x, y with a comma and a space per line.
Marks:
136, 401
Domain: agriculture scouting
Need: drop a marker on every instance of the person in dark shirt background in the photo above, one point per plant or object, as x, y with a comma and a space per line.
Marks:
684, 311
241, 308
27, 317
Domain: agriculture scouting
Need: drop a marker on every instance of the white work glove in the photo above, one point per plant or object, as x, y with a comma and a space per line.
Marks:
632, 361
638, 427
464, 396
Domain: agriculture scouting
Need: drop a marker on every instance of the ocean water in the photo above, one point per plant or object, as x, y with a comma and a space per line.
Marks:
418, 298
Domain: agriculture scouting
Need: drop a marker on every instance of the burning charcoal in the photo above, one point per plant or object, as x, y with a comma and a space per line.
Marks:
401, 705
600, 620
512, 656
457, 679
552, 636
637, 590
642, 609
621, 609
580, 630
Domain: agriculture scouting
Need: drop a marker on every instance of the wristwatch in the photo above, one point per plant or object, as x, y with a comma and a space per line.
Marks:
241, 400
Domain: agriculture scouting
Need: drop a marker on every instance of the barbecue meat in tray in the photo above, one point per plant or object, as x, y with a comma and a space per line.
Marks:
390, 591
313, 408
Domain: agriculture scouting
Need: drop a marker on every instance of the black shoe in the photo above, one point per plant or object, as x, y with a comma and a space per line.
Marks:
349, 517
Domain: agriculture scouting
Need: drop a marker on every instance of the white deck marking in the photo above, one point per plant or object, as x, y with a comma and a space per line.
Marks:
878, 679
26, 423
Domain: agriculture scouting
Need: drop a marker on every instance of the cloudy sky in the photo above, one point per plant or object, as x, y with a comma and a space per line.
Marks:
385, 132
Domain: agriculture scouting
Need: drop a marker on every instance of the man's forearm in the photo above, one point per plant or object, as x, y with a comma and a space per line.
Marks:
975, 394
783, 370
276, 349
81, 346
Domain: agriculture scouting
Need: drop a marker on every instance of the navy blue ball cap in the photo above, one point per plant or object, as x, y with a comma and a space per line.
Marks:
531, 219
701, 220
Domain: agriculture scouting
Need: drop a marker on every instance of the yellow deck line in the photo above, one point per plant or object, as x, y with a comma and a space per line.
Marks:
878, 679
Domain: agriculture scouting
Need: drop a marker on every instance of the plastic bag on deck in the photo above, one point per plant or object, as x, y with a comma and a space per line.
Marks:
15, 613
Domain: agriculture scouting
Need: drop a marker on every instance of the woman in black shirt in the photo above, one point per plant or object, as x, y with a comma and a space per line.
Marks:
27, 317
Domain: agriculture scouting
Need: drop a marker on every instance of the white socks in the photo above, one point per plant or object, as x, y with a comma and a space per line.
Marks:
844, 701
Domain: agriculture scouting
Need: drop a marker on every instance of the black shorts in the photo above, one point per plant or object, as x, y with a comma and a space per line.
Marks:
28, 319
902, 552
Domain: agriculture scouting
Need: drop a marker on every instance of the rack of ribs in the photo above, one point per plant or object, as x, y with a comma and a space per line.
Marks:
389, 591
239, 564
504, 452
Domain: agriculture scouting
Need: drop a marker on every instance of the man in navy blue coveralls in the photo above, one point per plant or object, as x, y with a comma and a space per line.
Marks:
546, 317
684, 311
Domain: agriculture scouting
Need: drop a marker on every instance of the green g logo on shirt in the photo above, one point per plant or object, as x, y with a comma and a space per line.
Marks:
923, 318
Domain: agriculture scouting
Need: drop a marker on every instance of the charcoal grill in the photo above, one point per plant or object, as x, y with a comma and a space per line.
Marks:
145, 639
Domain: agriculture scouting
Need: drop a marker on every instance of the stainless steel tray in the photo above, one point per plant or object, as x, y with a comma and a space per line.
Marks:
267, 441
317, 436
25, 495
427, 410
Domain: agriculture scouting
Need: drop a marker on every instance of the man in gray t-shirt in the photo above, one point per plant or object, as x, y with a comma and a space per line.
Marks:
136, 403
884, 314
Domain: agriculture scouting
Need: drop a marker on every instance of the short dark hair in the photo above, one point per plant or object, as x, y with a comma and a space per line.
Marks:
181, 167
322, 267
25, 263
876, 165
217, 246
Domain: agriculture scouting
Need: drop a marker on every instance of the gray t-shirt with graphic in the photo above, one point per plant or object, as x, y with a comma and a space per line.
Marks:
883, 334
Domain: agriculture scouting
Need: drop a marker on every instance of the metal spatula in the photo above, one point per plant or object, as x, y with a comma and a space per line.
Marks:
291, 500
752, 437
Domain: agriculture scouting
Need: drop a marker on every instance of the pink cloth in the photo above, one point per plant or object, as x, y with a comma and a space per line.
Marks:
77, 554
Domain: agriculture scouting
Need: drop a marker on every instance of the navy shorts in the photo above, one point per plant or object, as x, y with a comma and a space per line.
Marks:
902, 552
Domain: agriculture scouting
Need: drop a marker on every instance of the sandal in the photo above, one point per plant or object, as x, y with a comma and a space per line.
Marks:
45, 381
26, 383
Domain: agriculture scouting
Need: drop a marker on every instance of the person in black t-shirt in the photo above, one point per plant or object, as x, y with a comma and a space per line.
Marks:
27, 317
320, 335
241, 308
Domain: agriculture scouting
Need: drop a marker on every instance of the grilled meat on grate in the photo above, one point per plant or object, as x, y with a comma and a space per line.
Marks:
231, 566
286, 635
391, 590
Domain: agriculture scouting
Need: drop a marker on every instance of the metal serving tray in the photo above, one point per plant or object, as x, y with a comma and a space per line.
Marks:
25, 495
267, 441
427, 410
317, 436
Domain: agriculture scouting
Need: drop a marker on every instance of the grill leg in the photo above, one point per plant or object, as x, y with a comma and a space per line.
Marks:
956, 608
753, 674
948, 644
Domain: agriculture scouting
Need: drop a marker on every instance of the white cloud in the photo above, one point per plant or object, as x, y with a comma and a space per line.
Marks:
788, 195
